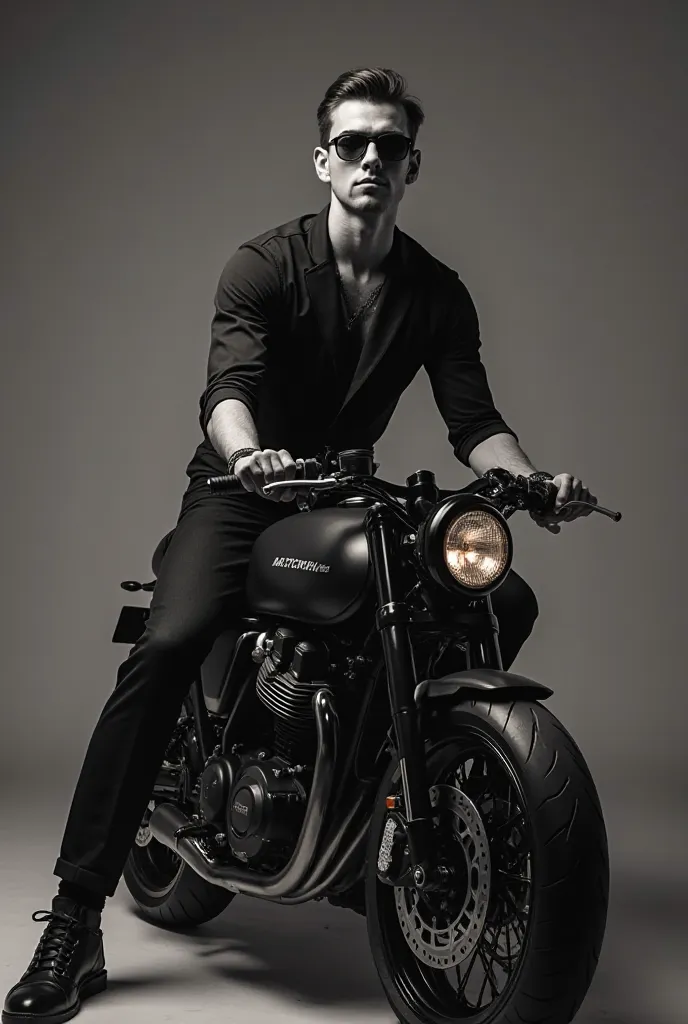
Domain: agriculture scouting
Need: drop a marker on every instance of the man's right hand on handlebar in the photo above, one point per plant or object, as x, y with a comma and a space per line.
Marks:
264, 467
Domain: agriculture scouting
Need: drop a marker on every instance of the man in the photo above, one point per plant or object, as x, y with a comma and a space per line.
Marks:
319, 327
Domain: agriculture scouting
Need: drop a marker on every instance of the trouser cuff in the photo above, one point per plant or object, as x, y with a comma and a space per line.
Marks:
82, 876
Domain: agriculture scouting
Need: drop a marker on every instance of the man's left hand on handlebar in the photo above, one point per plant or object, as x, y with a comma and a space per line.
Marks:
569, 488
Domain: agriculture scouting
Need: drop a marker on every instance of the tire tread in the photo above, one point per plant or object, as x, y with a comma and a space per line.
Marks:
571, 865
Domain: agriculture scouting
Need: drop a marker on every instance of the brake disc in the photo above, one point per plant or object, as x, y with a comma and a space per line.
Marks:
444, 937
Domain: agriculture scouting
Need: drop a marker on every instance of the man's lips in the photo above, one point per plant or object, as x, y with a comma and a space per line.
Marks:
373, 181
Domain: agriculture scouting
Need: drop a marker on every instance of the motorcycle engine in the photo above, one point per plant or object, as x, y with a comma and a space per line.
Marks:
258, 801
258, 798
291, 673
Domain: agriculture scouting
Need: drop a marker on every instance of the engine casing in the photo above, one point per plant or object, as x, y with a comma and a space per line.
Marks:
265, 811
258, 803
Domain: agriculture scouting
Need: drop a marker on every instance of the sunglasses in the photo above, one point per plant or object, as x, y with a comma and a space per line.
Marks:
351, 146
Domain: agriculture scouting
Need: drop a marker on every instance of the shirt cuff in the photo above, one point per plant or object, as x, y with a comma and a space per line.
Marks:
464, 449
221, 395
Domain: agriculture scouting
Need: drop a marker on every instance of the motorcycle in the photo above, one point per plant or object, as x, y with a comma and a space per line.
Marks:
356, 738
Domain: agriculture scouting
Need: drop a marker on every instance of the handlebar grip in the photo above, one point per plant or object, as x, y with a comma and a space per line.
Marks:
230, 483
225, 484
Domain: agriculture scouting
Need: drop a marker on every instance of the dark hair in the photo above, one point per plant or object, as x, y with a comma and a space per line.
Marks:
377, 84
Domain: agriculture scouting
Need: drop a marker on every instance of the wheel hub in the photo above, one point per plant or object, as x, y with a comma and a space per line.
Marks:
443, 932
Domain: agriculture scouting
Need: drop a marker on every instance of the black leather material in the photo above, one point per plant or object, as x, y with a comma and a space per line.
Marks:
67, 966
482, 683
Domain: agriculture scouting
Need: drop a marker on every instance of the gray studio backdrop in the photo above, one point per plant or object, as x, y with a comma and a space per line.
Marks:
141, 143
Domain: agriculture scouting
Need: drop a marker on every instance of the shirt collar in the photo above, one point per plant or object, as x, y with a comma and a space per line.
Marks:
320, 246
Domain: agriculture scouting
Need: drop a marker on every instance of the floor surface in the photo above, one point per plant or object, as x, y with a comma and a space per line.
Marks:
259, 963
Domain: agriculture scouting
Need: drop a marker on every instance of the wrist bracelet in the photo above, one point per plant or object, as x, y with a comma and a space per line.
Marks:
541, 475
239, 454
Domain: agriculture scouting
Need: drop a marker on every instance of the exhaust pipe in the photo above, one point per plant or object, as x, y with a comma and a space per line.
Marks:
324, 879
167, 818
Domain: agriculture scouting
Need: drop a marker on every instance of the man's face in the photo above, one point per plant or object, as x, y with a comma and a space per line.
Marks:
347, 179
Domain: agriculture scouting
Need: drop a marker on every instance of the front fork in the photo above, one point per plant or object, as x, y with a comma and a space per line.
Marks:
393, 620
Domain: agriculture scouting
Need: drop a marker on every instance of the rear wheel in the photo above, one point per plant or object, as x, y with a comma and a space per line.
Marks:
167, 890
517, 932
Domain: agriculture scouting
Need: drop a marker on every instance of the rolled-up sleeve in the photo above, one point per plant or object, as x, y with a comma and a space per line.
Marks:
245, 305
458, 378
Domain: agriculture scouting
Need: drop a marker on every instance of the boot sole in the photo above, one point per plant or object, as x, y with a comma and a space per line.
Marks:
88, 987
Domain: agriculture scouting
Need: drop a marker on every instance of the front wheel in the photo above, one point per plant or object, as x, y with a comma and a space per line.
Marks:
517, 932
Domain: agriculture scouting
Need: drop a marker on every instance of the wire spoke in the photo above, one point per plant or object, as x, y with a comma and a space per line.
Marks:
521, 917
508, 896
482, 989
515, 878
489, 973
464, 982
480, 774
509, 823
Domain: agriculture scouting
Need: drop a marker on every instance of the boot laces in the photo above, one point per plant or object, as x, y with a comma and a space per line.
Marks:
57, 943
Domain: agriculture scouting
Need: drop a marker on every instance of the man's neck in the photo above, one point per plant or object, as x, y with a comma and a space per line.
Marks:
359, 244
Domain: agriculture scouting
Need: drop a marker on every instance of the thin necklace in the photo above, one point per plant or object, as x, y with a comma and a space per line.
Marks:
361, 309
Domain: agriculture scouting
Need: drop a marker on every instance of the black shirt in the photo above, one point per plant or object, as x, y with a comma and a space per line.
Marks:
279, 344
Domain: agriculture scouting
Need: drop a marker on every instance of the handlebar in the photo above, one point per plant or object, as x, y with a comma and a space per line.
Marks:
230, 482
508, 492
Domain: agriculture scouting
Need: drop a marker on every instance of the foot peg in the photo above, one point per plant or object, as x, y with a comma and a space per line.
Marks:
190, 830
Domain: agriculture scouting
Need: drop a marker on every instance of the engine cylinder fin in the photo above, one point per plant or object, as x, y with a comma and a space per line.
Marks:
286, 696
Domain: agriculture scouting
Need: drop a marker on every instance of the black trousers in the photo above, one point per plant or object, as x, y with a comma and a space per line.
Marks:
199, 590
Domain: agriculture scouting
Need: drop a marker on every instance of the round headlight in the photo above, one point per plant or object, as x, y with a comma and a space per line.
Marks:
476, 548
465, 543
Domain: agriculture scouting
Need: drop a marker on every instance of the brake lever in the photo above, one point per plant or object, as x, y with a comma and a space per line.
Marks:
515, 498
616, 516
325, 483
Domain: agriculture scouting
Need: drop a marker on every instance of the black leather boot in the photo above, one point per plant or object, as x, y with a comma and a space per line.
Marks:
67, 966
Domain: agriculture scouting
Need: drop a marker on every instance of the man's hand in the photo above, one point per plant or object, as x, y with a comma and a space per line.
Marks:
570, 488
261, 468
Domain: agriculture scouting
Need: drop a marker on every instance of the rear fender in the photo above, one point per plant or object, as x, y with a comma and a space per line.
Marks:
481, 684
130, 625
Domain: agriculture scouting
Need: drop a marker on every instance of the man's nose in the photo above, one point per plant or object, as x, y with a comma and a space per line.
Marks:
371, 156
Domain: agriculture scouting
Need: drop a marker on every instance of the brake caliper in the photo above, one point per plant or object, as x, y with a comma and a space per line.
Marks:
393, 862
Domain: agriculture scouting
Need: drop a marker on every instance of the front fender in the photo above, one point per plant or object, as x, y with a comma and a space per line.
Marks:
482, 684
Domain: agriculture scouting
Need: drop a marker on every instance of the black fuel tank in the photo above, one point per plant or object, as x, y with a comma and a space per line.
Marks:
313, 567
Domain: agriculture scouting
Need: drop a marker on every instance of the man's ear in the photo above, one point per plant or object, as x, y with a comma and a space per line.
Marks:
414, 167
321, 160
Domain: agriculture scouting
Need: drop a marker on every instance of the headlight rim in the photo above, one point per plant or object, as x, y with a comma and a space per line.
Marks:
430, 541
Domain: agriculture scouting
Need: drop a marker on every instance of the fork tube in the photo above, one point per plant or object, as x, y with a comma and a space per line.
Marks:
393, 618
485, 652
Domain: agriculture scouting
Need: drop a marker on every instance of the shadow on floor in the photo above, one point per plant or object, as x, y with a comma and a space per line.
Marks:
314, 954
319, 955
